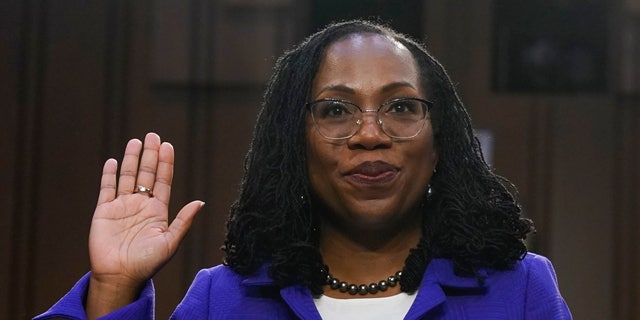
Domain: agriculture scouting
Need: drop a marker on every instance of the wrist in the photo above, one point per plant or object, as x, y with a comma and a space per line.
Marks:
107, 294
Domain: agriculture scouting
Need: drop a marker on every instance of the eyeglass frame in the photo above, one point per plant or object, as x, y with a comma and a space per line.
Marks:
429, 105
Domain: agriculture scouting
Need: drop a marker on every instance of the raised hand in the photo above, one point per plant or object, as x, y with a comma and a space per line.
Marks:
131, 238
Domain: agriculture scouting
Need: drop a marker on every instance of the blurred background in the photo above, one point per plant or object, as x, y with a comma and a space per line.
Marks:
553, 88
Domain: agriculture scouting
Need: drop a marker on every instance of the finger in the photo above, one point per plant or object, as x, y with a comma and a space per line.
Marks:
164, 175
149, 162
129, 167
108, 181
181, 224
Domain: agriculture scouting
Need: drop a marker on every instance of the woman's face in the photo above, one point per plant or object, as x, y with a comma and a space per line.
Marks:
369, 180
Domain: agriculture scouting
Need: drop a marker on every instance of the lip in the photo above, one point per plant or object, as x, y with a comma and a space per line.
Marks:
373, 173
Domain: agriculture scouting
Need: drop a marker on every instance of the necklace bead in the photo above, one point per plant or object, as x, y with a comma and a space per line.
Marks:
334, 283
353, 289
383, 285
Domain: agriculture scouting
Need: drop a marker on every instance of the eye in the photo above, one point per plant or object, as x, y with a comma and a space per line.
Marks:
403, 107
333, 109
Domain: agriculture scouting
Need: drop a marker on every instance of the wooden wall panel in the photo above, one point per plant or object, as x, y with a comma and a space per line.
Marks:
626, 194
28, 48
459, 35
581, 211
84, 78
626, 191
10, 49
218, 86
68, 146
557, 149
78, 68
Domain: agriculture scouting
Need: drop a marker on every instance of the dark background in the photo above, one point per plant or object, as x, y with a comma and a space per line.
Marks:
80, 78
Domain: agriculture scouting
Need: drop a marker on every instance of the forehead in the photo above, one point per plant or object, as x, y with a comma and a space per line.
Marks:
365, 62
367, 41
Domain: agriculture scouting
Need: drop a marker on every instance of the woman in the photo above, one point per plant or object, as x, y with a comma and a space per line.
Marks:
365, 194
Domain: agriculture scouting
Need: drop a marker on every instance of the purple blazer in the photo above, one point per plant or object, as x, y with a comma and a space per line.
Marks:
528, 291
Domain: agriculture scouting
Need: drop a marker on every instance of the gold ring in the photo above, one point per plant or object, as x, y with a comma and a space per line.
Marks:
143, 189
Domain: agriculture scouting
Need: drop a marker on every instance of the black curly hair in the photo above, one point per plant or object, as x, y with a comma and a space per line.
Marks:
472, 217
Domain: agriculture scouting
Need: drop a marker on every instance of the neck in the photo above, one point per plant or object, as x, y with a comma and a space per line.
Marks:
366, 256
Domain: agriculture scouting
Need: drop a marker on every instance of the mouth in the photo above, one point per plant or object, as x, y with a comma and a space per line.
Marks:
373, 172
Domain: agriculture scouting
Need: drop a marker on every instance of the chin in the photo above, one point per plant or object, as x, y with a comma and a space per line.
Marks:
382, 218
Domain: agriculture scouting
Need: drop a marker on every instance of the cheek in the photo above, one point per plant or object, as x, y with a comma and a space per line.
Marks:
424, 158
422, 168
321, 161
429, 146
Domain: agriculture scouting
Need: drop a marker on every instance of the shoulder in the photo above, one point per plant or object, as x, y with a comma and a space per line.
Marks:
222, 282
527, 290
539, 270
541, 276
530, 279
534, 260
219, 277
532, 266
212, 280
219, 272
543, 298
532, 272
221, 293
206, 292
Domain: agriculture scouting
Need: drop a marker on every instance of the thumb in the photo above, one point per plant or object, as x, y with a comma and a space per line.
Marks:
181, 224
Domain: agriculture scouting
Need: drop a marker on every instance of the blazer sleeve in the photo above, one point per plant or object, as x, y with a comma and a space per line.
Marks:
543, 298
71, 306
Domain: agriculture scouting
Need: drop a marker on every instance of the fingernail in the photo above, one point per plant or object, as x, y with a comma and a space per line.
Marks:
202, 204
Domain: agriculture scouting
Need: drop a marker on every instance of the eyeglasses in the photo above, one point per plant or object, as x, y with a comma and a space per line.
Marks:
401, 118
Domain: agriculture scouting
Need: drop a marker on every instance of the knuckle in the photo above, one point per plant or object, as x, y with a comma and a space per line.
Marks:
127, 173
163, 180
147, 169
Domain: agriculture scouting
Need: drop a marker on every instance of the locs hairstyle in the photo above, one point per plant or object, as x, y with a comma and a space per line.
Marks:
471, 218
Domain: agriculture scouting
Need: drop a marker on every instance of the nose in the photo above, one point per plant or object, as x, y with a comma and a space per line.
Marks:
369, 135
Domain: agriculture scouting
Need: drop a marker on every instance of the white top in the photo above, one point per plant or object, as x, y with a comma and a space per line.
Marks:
393, 307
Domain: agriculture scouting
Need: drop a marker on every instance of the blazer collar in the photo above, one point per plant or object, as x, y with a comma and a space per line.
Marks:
439, 271
439, 281
260, 277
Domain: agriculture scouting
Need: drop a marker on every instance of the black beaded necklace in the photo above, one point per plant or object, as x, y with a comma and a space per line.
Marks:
363, 289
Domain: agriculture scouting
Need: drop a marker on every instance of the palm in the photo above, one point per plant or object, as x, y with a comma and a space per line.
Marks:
131, 238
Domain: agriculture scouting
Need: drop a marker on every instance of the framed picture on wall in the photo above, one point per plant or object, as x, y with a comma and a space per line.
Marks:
550, 46
630, 56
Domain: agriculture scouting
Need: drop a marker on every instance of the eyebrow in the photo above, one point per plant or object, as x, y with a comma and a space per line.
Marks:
385, 88
395, 85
